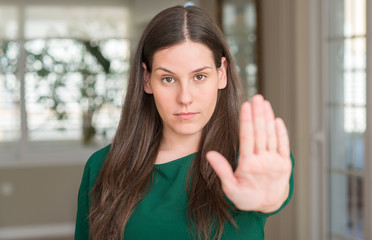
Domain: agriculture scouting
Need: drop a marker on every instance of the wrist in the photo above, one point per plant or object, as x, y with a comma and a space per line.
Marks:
272, 206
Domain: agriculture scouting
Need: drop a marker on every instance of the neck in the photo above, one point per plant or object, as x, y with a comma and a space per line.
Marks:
177, 143
174, 146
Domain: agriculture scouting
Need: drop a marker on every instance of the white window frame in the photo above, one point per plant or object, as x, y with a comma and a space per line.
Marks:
318, 89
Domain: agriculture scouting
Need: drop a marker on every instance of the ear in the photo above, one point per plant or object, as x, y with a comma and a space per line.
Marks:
222, 77
146, 80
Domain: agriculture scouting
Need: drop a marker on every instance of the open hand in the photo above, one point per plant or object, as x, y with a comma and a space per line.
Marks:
261, 179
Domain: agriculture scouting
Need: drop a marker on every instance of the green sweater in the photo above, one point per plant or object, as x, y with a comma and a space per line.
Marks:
161, 215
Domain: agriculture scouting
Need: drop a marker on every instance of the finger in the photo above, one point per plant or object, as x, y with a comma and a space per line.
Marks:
270, 127
246, 132
282, 138
222, 168
259, 123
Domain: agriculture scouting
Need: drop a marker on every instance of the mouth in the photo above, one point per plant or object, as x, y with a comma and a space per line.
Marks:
186, 115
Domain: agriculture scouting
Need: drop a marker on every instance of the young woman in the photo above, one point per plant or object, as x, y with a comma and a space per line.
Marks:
183, 164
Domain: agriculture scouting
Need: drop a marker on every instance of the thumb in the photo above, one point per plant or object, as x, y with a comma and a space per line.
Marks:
222, 168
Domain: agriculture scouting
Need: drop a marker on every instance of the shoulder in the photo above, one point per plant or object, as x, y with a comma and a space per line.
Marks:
95, 162
96, 159
91, 171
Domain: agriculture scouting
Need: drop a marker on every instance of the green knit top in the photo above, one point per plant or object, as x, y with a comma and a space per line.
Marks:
161, 215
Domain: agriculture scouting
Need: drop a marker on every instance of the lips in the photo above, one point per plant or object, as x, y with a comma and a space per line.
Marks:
186, 115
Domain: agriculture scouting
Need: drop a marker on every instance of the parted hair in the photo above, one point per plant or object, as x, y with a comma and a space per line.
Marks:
126, 174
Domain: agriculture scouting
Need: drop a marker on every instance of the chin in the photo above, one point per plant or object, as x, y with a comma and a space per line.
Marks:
189, 133
191, 130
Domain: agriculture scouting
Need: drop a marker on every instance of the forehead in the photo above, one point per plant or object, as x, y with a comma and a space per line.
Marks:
184, 55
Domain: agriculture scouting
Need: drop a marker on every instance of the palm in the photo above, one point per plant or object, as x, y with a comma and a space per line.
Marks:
261, 180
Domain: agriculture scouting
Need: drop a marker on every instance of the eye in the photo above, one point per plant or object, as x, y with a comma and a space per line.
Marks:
168, 80
199, 77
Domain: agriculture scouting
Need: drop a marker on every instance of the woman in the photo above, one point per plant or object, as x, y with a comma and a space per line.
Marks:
180, 166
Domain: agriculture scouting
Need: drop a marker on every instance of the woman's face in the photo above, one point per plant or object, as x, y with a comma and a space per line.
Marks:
185, 82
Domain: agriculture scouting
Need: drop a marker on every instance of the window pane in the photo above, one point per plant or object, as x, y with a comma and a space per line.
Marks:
239, 24
346, 206
336, 18
355, 17
338, 205
336, 73
355, 84
52, 89
341, 145
9, 84
355, 53
69, 94
9, 92
346, 18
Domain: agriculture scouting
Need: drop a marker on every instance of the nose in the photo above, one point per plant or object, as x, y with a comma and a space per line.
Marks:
185, 94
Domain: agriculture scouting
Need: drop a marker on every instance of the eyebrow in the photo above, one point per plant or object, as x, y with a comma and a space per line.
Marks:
169, 71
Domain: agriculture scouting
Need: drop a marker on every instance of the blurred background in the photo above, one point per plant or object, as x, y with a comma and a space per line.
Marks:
63, 72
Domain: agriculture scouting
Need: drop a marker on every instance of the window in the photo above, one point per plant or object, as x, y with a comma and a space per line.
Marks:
239, 24
62, 73
346, 117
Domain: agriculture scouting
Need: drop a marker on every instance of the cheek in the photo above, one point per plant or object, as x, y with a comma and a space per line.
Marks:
160, 101
209, 100
164, 102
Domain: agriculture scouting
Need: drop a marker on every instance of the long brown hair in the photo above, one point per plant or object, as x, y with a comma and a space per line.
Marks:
126, 174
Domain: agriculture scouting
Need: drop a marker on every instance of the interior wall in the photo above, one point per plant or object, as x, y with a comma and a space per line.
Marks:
285, 82
39, 195
277, 73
